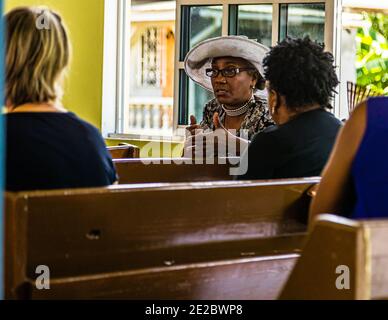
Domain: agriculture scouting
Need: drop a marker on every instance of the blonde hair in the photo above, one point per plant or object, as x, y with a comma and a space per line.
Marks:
37, 56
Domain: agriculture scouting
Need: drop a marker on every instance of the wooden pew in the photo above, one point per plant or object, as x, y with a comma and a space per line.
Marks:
359, 245
125, 151
252, 278
92, 232
178, 170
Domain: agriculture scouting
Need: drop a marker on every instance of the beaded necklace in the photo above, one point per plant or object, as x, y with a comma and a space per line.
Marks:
239, 111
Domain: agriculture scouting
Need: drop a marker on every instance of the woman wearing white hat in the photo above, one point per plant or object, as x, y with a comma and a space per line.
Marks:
230, 67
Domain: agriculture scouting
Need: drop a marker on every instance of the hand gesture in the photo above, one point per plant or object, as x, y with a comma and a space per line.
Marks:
193, 126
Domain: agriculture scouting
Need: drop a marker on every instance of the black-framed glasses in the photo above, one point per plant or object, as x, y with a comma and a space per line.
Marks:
227, 72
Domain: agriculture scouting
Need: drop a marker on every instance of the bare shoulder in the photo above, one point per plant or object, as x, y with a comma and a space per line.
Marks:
359, 114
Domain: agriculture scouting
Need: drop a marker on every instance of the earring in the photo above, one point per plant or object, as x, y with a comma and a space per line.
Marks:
271, 108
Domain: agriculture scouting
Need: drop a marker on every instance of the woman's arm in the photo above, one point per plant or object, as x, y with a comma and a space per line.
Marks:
335, 187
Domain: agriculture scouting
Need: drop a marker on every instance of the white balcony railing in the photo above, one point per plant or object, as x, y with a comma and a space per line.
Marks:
149, 116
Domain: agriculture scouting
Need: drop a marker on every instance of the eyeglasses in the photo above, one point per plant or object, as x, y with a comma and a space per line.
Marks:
227, 72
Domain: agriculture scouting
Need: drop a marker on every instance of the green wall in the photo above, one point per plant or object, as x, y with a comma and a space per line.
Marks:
85, 21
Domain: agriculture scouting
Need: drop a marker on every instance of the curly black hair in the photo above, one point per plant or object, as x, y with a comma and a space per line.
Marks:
302, 72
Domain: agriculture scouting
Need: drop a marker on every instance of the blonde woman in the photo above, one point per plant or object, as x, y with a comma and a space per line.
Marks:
47, 146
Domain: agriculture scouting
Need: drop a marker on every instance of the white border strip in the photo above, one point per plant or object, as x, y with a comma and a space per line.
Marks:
109, 80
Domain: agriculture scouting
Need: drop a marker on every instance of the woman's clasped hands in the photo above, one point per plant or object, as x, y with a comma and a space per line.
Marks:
209, 144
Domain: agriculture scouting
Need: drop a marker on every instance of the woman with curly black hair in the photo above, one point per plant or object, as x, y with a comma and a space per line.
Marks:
301, 81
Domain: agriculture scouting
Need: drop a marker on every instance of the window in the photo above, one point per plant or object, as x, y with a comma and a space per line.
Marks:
263, 21
299, 20
153, 95
253, 21
141, 85
198, 23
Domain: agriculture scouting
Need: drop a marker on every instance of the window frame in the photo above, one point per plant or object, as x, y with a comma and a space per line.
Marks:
116, 66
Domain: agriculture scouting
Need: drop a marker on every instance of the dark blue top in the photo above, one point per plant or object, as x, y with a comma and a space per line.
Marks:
54, 151
370, 165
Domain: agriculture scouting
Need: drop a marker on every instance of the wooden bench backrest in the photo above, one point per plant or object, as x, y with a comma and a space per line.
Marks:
127, 151
244, 278
84, 231
376, 269
142, 171
335, 242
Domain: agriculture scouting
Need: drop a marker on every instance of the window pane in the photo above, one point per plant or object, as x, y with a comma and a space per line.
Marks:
255, 22
299, 20
204, 22
197, 98
151, 63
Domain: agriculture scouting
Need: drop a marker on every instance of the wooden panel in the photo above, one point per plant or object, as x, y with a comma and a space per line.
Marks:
361, 245
16, 221
125, 221
140, 171
127, 151
333, 242
90, 231
250, 278
377, 270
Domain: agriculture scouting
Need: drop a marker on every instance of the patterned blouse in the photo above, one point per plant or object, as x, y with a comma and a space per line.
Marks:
256, 119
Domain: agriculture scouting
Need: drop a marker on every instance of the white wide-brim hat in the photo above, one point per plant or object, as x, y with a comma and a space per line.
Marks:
200, 57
